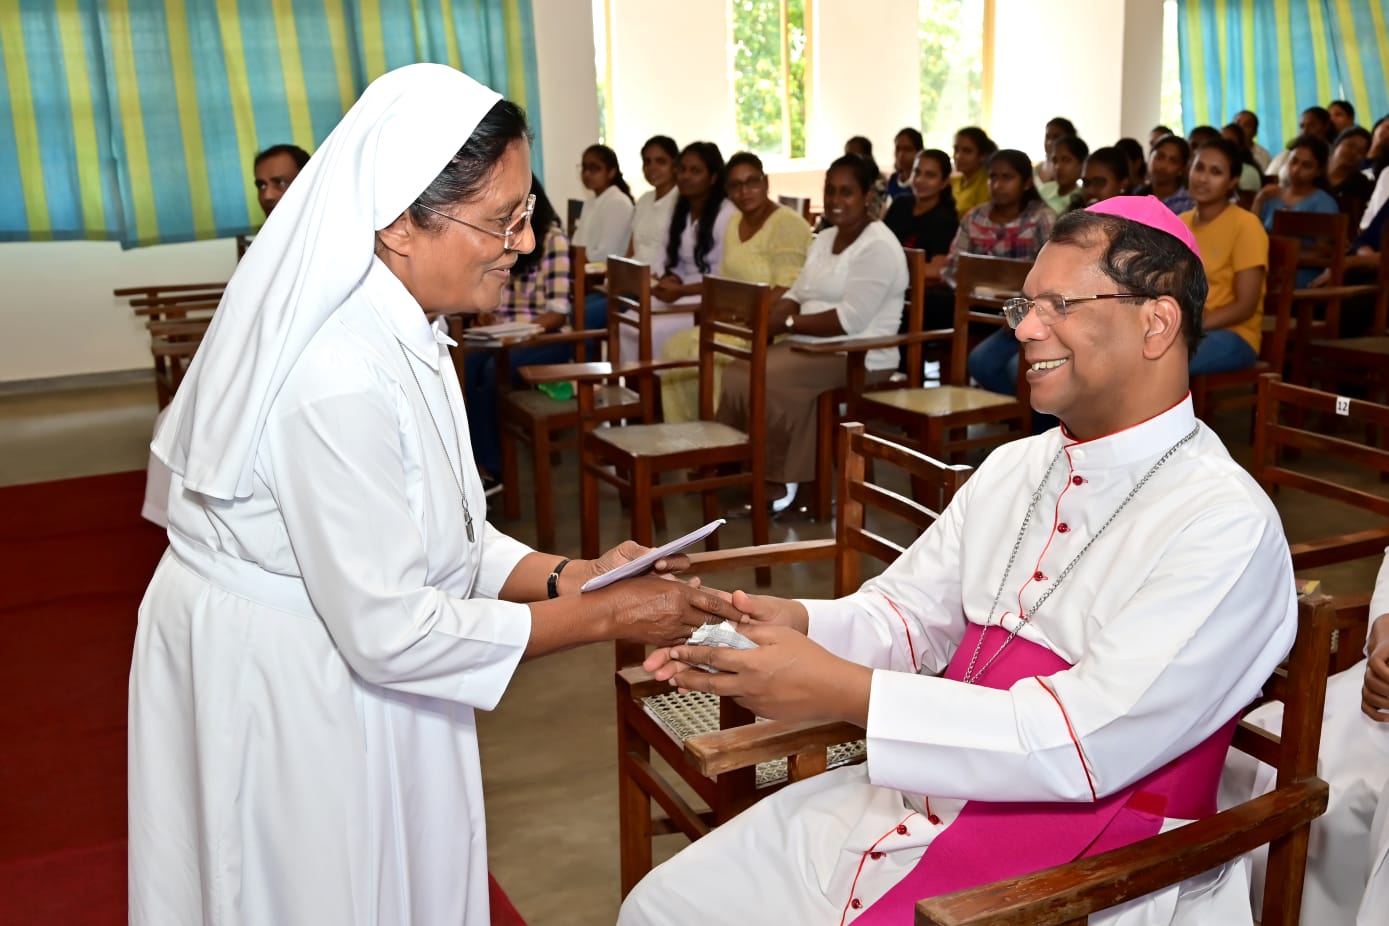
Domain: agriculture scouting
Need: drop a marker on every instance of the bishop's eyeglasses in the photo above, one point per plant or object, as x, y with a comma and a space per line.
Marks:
1051, 308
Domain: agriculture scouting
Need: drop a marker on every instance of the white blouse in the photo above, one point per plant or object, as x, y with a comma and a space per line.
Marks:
605, 226
865, 285
651, 226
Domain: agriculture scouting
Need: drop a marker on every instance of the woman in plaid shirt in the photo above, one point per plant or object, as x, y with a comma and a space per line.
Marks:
1015, 223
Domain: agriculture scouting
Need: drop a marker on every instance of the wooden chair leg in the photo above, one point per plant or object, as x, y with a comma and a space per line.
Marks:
633, 804
544, 489
588, 508
761, 520
643, 531
824, 455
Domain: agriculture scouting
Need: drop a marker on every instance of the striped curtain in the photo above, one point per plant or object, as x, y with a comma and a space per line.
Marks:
1278, 57
137, 120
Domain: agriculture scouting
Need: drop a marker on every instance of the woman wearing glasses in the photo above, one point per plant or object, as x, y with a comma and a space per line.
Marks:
333, 605
765, 243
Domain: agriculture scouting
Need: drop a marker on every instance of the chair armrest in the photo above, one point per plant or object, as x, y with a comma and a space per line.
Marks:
1337, 292
771, 554
863, 345
1341, 549
1067, 893
739, 747
595, 372
638, 683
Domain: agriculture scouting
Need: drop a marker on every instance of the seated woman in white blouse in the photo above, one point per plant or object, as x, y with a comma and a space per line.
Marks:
605, 226
852, 285
650, 219
694, 243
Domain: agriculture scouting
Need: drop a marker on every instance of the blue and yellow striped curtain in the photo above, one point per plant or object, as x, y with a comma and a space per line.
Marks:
137, 120
1278, 57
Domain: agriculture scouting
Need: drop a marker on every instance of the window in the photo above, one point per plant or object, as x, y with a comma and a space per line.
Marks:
1170, 108
602, 39
953, 79
770, 47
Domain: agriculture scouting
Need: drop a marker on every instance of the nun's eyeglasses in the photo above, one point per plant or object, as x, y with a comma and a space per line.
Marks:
1051, 308
507, 236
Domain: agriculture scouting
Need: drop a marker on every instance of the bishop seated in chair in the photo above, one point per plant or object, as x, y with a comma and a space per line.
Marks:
1055, 667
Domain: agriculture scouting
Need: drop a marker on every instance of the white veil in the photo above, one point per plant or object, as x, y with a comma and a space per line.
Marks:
313, 251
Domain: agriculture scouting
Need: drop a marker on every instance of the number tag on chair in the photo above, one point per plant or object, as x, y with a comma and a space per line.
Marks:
1342, 405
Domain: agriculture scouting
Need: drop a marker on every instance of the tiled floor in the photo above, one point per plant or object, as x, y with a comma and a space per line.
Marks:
548, 749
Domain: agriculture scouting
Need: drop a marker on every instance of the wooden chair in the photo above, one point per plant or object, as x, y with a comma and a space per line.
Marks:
633, 457
1361, 359
176, 317
548, 425
697, 734
1068, 894
1316, 312
573, 210
938, 421
1238, 388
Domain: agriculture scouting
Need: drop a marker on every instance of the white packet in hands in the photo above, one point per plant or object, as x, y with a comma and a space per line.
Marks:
723, 634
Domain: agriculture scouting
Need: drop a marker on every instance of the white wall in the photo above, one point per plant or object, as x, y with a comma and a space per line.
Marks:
568, 93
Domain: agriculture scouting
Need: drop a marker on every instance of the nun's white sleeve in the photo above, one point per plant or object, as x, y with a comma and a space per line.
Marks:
352, 508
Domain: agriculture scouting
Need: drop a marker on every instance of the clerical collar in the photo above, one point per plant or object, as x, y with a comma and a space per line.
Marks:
1135, 443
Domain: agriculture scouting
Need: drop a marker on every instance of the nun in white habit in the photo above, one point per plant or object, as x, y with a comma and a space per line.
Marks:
333, 606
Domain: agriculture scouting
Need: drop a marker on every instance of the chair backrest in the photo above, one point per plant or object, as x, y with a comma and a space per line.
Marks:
982, 285
800, 204
1324, 236
1278, 297
576, 209
861, 456
578, 294
914, 311
629, 304
1274, 432
1282, 412
733, 322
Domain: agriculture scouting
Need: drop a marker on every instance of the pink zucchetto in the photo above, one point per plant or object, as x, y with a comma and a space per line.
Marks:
1149, 211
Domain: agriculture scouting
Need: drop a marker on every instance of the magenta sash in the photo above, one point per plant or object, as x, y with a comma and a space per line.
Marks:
990, 841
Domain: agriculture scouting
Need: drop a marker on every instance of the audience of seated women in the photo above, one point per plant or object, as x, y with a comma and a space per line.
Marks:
694, 244
1167, 173
927, 222
1138, 162
1234, 251
1305, 191
1014, 223
1249, 121
1067, 157
1056, 127
537, 291
765, 243
605, 226
650, 219
852, 284
905, 147
970, 183
1105, 174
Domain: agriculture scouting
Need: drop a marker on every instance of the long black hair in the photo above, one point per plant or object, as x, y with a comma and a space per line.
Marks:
1020, 164
609, 158
542, 220
709, 153
463, 176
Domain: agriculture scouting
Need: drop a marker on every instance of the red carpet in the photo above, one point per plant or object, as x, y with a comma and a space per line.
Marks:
77, 557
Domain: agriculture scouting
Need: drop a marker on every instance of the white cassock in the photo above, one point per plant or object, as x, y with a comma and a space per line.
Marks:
1348, 852
308, 659
1172, 620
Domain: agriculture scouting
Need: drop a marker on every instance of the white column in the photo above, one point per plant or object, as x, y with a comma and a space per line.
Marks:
865, 78
568, 94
